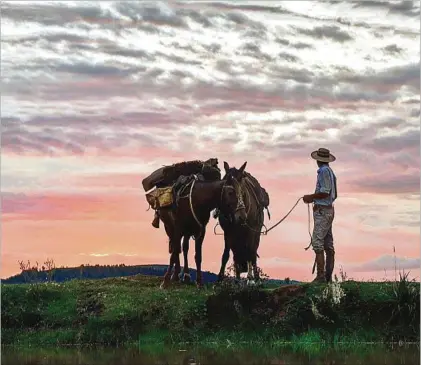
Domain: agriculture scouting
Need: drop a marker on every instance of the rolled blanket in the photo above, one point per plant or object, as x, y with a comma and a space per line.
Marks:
167, 175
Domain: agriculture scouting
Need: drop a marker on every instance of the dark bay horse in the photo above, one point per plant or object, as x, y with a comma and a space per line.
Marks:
242, 239
191, 216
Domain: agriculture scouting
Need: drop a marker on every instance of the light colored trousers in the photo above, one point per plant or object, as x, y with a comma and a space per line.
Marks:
322, 231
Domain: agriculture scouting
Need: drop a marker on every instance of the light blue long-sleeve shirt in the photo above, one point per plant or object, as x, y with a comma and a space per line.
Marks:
326, 183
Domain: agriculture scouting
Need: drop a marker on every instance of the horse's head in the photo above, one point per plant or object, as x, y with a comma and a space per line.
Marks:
237, 174
233, 194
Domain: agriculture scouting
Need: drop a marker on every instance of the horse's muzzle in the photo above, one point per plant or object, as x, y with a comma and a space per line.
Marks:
241, 219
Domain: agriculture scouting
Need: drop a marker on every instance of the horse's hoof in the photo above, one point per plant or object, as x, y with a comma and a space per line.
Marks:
186, 278
165, 284
199, 285
251, 282
175, 279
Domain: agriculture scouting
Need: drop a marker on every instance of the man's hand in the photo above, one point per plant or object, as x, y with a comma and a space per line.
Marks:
308, 199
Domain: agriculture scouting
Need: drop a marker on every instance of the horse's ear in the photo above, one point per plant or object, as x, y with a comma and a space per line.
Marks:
242, 168
226, 166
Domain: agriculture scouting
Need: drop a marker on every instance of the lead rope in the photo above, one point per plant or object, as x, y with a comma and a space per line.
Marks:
282, 219
311, 238
265, 232
191, 206
309, 227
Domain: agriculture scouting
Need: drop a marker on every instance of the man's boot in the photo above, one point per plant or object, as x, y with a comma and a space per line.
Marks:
320, 264
330, 264
155, 222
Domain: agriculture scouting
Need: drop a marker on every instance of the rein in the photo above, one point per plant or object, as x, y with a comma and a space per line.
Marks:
265, 232
191, 204
190, 196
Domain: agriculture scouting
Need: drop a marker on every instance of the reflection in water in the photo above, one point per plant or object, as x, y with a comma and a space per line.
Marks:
60, 356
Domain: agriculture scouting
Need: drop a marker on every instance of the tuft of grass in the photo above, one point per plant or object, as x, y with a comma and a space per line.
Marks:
405, 306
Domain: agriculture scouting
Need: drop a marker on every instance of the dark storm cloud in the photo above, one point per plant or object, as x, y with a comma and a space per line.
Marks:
52, 14
245, 7
85, 68
150, 13
393, 48
326, 31
307, 93
54, 135
116, 50
415, 112
404, 7
20, 140
388, 183
408, 74
288, 57
406, 140
61, 36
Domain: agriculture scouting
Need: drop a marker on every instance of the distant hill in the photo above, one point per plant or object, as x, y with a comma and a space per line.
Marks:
107, 271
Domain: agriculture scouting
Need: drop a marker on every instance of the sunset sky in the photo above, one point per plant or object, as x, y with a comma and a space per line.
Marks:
97, 95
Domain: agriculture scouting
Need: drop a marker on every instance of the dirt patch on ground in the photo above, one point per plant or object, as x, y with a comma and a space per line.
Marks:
251, 305
284, 294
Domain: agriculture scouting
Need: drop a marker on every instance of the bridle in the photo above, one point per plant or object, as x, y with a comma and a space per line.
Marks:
238, 192
237, 189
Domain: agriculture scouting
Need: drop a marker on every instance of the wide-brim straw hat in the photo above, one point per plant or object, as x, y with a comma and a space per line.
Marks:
323, 155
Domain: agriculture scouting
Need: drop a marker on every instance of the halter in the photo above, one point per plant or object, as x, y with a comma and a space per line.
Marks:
240, 204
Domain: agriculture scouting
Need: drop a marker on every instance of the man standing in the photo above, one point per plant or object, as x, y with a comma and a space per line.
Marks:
323, 214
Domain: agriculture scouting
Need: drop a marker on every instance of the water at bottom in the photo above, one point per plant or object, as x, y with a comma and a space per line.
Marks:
408, 355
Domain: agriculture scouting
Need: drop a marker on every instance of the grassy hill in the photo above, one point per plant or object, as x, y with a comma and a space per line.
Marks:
59, 275
133, 309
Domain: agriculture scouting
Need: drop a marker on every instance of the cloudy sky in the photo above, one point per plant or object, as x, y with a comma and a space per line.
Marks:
97, 95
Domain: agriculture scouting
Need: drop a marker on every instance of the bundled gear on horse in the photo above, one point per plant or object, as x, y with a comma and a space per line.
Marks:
163, 185
261, 193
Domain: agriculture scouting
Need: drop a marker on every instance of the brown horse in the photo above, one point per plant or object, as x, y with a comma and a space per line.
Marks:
242, 239
191, 216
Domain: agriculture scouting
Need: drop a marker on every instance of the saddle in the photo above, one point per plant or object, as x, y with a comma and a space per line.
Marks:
182, 185
169, 196
169, 183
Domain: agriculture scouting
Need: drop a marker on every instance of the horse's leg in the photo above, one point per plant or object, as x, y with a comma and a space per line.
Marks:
177, 250
186, 271
237, 271
249, 252
175, 277
167, 275
225, 258
254, 258
170, 233
198, 259
250, 280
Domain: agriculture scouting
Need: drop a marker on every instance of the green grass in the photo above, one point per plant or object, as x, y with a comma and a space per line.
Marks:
135, 311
